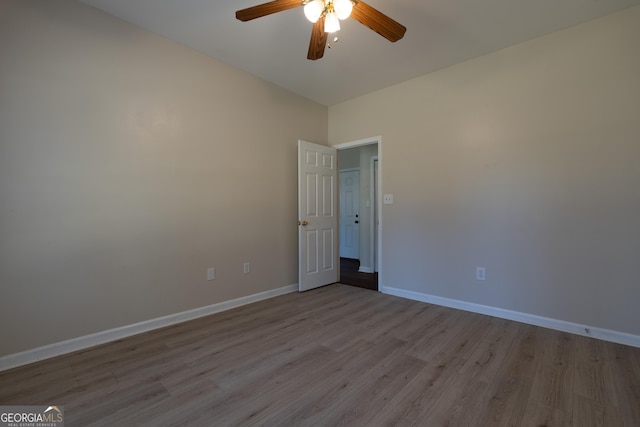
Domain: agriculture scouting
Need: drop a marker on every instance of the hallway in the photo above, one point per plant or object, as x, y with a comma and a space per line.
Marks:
349, 275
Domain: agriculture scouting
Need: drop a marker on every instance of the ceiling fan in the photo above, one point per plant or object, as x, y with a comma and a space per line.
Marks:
326, 15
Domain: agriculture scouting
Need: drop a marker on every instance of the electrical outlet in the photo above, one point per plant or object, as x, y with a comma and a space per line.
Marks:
481, 274
246, 268
211, 273
387, 199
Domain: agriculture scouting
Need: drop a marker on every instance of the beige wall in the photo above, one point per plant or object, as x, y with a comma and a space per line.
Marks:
526, 162
128, 165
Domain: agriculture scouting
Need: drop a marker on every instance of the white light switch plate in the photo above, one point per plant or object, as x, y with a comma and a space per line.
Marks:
388, 199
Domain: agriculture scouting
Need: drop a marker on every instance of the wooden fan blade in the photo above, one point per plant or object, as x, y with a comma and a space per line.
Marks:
318, 41
266, 9
378, 21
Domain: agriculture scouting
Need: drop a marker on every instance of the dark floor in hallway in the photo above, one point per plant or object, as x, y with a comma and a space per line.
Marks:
349, 275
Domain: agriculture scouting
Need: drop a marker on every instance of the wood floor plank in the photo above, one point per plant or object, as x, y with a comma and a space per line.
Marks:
381, 390
624, 365
116, 399
592, 374
459, 403
172, 411
267, 395
487, 360
540, 415
511, 387
351, 373
345, 356
21, 384
415, 400
587, 412
553, 383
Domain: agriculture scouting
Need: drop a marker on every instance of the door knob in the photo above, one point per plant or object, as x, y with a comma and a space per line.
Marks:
357, 222
303, 223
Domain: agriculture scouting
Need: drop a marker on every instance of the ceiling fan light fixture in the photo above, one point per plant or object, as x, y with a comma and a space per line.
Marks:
313, 10
343, 8
331, 23
325, 16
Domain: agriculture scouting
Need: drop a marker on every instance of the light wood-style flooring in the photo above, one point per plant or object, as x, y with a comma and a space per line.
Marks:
340, 356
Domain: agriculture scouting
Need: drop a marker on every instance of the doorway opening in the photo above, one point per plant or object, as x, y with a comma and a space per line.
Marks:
350, 275
359, 219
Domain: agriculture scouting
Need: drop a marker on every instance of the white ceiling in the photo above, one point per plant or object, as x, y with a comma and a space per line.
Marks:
439, 33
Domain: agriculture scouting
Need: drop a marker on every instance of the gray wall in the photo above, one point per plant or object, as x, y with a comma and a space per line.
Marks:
128, 165
526, 162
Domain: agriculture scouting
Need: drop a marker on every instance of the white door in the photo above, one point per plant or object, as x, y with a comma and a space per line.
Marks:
349, 217
317, 216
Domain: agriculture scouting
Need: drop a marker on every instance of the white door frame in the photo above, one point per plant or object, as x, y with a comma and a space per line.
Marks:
374, 184
360, 143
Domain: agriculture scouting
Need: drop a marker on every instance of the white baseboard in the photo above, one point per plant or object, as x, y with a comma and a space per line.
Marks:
80, 343
364, 269
532, 319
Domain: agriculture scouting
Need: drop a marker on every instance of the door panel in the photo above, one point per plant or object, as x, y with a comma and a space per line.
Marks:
349, 214
318, 219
